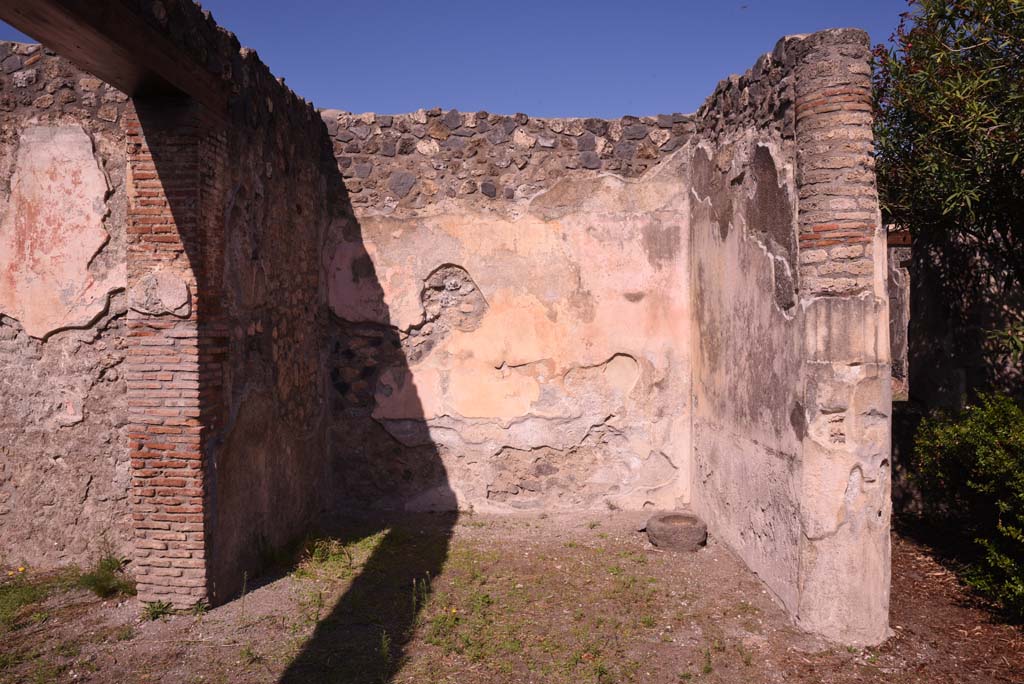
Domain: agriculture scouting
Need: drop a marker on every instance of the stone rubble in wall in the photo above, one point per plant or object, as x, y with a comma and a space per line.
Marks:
412, 160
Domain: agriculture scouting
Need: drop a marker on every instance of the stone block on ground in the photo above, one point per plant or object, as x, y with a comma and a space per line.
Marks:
677, 531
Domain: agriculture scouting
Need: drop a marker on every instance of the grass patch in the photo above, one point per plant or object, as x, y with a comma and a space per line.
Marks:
108, 578
330, 558
22, 591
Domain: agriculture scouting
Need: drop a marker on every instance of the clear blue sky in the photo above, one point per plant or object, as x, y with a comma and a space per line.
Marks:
545, 58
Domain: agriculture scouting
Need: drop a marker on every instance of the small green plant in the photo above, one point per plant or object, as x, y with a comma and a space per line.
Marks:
108, 579
385, 646
648, 621
69, 649
707, 668
442, 631
155, 610
971, 467
420, 592
249, 655
199, 608
125, 633
11, 659
1011, 341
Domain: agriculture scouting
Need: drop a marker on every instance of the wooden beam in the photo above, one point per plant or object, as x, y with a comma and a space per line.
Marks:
112, 42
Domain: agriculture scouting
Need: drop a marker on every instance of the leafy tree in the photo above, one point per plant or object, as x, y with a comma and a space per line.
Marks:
949, 138
950, 119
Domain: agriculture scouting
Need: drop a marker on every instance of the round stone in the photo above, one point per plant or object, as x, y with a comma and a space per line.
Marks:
677, 531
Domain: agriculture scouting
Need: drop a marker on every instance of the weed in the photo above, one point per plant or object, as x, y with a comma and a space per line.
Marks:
385, 646
593, 524
314, 605
126, 633
707, 668
745, 655
510, 645
685, 676
154, 610
746, 608
245, 587
601, 673
107, 579
8, 660
648, 621
68, 649
420, 592
199, 608
634, 556
249, 655
442, 632
479, 602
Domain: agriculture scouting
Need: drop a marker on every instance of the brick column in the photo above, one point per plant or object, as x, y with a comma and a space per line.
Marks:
845, 500
173, 377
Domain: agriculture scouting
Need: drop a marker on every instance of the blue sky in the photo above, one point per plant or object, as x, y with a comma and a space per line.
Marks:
554, 58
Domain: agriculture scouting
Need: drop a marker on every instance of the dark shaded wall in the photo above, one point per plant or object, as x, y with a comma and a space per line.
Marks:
961, 292
274, 201
269, 191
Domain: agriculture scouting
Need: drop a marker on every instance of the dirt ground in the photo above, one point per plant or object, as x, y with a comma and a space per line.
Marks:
559, 598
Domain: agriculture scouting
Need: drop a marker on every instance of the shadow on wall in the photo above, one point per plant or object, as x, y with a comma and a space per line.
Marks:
960, 291
363, 637
283, 438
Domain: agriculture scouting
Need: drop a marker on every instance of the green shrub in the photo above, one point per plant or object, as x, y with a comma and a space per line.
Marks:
154, 610
108, 578
972, 470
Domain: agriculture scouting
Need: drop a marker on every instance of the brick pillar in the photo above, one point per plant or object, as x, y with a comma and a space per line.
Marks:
173, 374
845, 500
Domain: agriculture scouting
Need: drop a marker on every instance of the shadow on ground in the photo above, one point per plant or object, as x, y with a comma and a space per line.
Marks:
364, 636
286, 465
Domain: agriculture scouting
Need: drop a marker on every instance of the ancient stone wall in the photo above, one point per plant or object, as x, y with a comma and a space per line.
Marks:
552, 288
448, 310
748, 413
791, 371
510, 299
64, 467
227, 216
